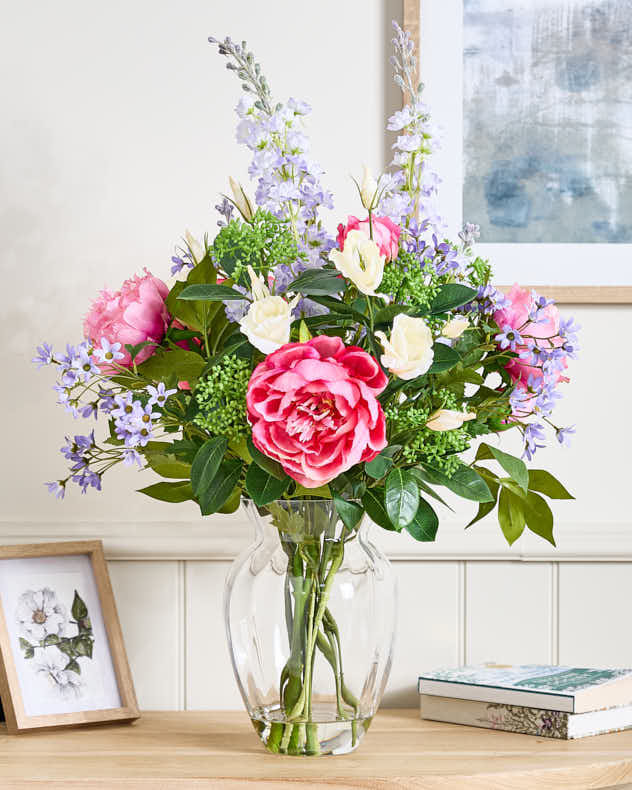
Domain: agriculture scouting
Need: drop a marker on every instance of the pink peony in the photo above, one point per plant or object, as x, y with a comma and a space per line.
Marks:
385, 234
132, 315
313, 408
544, 332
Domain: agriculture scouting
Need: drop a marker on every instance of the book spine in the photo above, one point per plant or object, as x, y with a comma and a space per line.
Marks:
496, 716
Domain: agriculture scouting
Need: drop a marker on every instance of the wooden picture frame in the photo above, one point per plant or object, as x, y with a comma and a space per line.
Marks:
569, 294
98, 639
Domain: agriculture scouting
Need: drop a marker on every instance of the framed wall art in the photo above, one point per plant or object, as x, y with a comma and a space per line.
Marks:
535, 103
62, 657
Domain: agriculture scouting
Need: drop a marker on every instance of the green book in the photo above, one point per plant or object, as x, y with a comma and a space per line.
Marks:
568, 689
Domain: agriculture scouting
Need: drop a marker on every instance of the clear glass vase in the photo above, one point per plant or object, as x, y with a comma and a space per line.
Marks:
310, 618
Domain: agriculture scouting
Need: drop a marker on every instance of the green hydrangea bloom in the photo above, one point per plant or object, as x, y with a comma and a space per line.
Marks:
263, 243
408, 283
221, 398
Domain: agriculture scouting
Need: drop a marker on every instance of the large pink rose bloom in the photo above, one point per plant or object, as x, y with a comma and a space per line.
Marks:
313, 408
385, 234
132, 315
544, 331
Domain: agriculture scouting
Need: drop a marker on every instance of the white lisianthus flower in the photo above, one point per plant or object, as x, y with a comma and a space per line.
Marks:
241, 200
408, 353
39, 614
448, 420
455, 328
268, 320
368, 190
360, 261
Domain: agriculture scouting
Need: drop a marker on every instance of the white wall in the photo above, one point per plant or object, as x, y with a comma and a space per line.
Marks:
116, 134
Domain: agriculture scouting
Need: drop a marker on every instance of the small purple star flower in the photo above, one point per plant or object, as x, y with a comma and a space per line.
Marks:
508, 338
159, 394
109, 352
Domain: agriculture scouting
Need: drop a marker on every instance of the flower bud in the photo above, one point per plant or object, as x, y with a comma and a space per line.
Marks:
448, 420
368, 190
455, 328
241, 200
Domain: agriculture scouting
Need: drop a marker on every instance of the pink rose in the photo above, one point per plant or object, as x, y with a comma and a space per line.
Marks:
132, 315
313, 408
542, 333
385, 234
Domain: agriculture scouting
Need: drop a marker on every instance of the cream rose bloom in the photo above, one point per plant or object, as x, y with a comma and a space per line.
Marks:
448, 420
268, 320
360, 261
455, 328
408, 353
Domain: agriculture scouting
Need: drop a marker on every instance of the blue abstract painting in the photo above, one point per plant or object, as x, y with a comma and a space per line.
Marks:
548, 120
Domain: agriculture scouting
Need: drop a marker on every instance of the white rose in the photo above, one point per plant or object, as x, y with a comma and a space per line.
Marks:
455, 328
360, 261
268, 320
408, 353
448, 420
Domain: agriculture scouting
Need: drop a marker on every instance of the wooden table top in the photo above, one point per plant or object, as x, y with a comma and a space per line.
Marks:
221, 750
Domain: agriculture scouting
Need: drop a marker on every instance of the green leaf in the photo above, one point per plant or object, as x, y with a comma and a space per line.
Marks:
264, 487
167, 465
318, 282
24, 644
544, 482
79, 609
387, 314
224, 482
485, 508
510, 515
303, 332
401, 496
269, 464
66, 647
206, 463
320, 492
73, 666
445, 358
83, 646
450, 296
539, 517
169, 492
350, 512
184, 449
373, 501
420, 477
184, 365
232, 503
425, 524
29, 649
380, 465
466, 482
514, 467
206, 292
51, 639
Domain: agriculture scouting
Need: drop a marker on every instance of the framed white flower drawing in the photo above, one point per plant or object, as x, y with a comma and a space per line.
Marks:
62, 657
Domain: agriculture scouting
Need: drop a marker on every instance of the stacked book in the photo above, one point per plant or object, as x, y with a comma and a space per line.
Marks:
555, 702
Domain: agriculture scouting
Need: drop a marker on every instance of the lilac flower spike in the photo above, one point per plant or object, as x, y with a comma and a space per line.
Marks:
57, 487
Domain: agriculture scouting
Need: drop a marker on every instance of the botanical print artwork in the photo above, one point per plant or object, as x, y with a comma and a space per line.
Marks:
547, 112
53, 640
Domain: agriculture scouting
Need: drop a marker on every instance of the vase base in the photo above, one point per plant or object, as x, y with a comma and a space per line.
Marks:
311, 739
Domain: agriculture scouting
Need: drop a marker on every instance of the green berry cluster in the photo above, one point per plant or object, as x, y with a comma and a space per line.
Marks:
263, 243
221, 397
408, 283
436, 448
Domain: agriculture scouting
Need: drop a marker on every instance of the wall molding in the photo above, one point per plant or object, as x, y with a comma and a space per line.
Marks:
222, 538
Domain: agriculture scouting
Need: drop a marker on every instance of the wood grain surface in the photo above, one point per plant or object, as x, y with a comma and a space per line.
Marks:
220, 750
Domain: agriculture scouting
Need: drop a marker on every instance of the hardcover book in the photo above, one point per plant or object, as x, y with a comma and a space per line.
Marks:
530, 721
565, 689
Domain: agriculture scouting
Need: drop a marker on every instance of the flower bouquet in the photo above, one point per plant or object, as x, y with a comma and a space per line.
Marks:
320, 379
